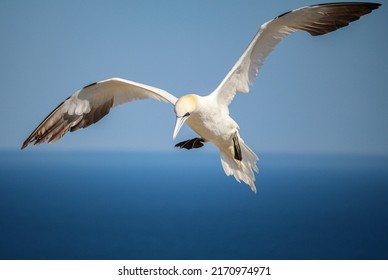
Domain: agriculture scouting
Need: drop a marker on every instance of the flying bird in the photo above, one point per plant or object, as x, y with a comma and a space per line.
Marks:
207, 115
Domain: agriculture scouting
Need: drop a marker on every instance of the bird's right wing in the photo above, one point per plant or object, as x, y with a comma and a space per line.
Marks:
315, 19
89, 105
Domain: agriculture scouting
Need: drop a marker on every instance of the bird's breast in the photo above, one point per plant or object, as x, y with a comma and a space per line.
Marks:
213, 126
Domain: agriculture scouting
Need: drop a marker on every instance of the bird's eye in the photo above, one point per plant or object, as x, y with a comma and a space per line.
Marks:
187, 114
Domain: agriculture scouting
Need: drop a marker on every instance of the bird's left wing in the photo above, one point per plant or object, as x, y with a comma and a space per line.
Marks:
89, 105
316, 20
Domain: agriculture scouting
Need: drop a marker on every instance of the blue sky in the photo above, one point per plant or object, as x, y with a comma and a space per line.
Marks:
323, 94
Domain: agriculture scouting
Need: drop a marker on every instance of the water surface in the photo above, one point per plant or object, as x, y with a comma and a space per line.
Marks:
111, 205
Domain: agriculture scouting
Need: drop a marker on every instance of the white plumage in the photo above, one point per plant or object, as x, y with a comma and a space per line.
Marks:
207, 115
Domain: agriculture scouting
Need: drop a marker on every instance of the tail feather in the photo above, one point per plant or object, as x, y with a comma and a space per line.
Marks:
241, 170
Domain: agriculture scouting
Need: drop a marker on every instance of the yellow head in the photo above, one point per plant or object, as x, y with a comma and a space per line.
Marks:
184, 106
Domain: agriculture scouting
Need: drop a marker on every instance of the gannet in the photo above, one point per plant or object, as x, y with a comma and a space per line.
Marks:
207, 115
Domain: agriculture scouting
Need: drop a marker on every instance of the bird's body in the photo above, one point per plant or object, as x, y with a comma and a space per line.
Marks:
207, 115
211, 121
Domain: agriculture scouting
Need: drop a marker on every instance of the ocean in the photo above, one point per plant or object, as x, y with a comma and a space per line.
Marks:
127, 205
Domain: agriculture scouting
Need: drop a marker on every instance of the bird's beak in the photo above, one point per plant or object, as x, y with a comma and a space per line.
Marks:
178, 125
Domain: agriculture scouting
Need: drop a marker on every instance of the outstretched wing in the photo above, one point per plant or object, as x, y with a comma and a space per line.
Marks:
89, 105
315, 19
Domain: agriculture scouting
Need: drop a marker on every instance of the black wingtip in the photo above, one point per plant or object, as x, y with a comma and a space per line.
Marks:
372, 6
90, 85
25, 144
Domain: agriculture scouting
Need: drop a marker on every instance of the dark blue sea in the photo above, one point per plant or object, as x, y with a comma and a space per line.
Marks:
125, 205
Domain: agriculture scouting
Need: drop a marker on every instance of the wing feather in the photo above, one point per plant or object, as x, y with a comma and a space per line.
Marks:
315, 19
89, 105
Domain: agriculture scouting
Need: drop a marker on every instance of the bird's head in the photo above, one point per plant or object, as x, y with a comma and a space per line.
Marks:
183, 108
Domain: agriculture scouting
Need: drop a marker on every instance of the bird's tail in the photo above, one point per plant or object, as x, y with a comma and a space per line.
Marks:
241, 170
